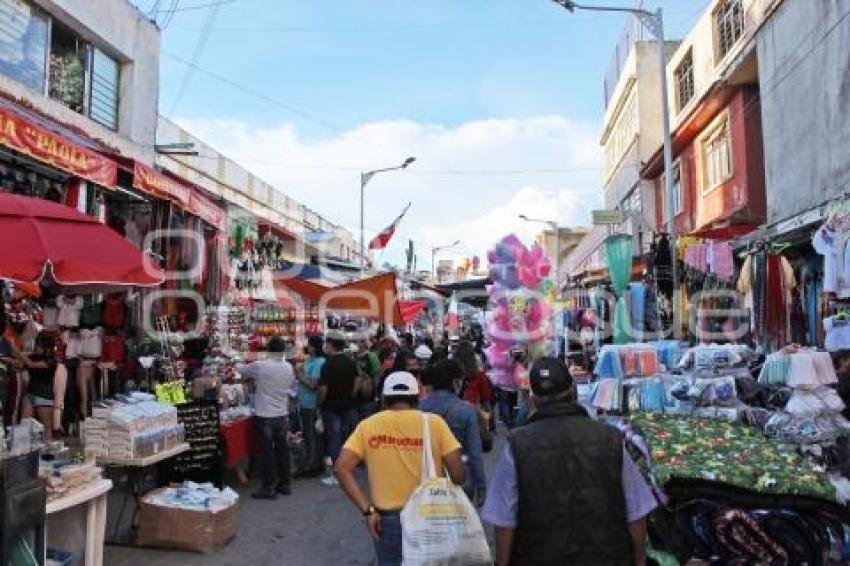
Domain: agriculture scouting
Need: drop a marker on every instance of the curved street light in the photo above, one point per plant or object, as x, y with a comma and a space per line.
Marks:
434, 251
365, 177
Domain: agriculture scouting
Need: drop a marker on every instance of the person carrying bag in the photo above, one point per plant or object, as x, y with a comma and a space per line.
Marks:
439, 525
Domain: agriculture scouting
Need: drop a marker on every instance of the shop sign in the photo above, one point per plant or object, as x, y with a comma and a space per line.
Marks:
207, 210
184, 195
152, 181
606, 217
24, 136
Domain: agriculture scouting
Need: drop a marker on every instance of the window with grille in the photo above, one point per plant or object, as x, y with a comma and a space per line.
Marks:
685, 81
24, 33
717, 156
729, 21
678, 197
631, 203
103, 107
49, 57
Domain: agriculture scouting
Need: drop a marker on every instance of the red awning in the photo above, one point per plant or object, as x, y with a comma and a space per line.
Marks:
185, 195
39, 235
717, 231
24, 135
411, 309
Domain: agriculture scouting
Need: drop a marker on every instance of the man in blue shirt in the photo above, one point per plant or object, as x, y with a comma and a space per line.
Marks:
308, 384
462, 419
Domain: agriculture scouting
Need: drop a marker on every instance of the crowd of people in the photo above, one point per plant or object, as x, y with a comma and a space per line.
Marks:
563, 489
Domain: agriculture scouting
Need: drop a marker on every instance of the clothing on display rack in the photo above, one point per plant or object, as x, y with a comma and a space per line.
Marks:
766, 282
812, 414
70, 308
637, 306
663, 264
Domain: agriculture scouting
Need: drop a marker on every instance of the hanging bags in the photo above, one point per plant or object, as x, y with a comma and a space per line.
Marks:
439, 526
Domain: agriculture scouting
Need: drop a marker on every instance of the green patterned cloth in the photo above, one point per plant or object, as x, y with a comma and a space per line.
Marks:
723, 451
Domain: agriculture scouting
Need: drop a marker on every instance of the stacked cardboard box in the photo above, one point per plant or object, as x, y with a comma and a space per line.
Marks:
129, 428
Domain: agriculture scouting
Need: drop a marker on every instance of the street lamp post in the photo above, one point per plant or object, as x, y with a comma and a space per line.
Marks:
654, 22
556, 229
365, 177
434, 251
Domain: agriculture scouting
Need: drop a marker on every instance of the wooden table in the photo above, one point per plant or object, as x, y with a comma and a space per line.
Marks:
146, 461
63, 521
134, 469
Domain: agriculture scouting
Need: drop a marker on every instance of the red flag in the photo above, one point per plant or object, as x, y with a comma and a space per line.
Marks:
383, 238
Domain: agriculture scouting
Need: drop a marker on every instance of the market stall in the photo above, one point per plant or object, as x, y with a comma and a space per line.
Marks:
731, 494
129, 438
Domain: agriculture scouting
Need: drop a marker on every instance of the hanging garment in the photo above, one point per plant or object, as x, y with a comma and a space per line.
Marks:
663, 264
722, 262
797, 319
844, 275
650, 310
113, 349
91, 343
637, 305
824, 242
812, 278
113, 314
69, 310
73, 344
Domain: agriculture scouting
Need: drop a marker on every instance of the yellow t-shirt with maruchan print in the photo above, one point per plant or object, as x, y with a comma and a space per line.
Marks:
390, 443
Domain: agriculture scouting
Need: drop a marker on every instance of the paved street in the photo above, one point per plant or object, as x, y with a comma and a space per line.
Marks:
315, 526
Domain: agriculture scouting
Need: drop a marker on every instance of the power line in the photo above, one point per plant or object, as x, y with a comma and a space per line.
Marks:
287, 107
169, 14
422, 25
154, 9
201, 6
209, 22
418, 171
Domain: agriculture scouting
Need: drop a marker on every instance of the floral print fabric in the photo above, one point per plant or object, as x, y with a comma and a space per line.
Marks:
727, 452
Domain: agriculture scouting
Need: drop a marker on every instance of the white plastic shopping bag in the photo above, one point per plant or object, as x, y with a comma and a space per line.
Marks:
439, 525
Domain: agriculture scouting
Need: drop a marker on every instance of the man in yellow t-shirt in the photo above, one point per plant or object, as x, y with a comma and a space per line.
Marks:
390, 443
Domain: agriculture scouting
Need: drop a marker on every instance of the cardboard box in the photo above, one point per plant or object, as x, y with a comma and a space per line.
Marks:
184, 529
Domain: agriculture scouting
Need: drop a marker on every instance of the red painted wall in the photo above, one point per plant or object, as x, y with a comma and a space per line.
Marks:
740, 198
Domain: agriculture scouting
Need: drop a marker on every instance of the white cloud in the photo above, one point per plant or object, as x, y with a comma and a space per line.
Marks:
470, 181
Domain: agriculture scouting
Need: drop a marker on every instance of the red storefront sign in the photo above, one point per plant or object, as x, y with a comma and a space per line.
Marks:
22, 135
152, 181
204, 208
185, 196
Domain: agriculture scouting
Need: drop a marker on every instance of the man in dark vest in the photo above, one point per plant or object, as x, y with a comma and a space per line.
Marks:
564, 490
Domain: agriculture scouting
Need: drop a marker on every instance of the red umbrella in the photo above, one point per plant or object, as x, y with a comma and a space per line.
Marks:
37, 235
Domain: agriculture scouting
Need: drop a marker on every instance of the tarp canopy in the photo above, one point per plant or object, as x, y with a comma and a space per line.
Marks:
374, 298
45, 238
285, 287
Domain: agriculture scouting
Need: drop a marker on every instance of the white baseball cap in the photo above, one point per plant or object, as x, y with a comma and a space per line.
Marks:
423, 352
400, 384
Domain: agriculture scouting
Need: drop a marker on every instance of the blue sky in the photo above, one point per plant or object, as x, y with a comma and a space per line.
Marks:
430, 72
